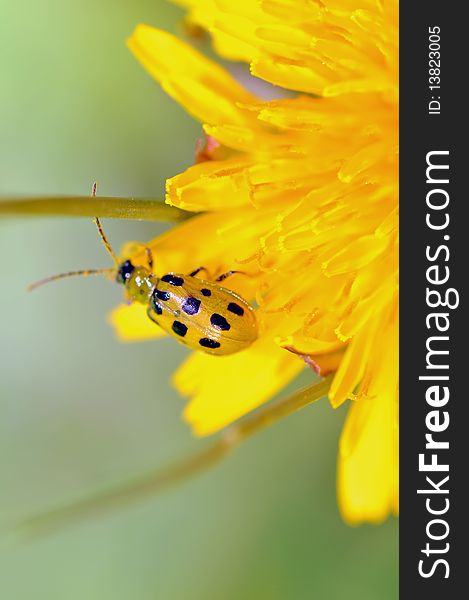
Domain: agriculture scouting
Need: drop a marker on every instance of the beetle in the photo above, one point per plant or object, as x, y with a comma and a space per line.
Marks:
199, 313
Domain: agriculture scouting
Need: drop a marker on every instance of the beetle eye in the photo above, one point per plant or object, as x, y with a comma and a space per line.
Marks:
124, 271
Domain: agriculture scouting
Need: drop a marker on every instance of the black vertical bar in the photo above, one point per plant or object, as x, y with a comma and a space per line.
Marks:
433, 121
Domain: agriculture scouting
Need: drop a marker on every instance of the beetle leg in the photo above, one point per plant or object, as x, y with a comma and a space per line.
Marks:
151, 317
229, 273
149, 258
196, 271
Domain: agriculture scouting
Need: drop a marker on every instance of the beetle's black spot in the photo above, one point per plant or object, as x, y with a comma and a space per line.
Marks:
191, 306
162, 295
156, 306
179, 328
219, 322
208, 343
235, 308
124, 271
205, 292
173, 279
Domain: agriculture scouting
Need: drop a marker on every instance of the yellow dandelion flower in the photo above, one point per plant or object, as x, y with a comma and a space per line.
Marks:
303, 193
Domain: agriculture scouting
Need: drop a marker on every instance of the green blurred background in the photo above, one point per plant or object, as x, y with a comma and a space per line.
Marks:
80, 411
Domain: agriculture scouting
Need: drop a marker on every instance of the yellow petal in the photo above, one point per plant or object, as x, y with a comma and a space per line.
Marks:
131, 323
356, 255
204, 88
224, 388
367, 477
210, 185
352, 367
233, 40
291, 76
291, 10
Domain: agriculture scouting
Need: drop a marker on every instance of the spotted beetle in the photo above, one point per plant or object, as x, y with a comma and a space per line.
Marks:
199, 313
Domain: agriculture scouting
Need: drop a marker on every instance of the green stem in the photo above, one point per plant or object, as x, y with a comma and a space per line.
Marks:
84, 206
188, 467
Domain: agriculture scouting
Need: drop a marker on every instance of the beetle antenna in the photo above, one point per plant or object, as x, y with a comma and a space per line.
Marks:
105, 241
102, 235
83, 273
